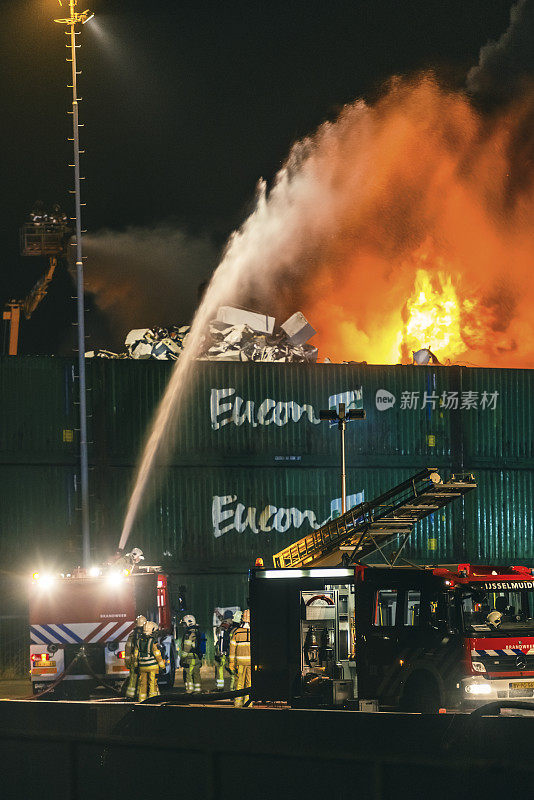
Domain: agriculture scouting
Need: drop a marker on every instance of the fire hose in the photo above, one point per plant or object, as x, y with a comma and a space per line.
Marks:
79, 658
182, 698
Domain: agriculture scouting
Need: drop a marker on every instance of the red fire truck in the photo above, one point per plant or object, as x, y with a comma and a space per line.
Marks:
94, 610
411, 637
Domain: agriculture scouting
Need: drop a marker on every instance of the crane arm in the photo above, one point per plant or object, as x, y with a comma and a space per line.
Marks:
39, 291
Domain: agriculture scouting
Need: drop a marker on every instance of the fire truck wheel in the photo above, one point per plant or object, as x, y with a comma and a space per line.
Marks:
421, 694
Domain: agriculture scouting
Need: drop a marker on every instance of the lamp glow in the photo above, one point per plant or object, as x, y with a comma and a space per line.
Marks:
114, 577
478, 688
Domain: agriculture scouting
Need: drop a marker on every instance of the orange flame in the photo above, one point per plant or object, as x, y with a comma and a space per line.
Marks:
434, 317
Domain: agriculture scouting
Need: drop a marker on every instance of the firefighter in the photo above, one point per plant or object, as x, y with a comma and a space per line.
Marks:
239, 657
507, 611
149, 661
129, 661
222, 649
58, 216
236, 623
37, 214
127, 561
192, 650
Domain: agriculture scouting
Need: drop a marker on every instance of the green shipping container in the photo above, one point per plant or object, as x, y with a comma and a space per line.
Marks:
264, 414
214, 520
252, 468
38, 418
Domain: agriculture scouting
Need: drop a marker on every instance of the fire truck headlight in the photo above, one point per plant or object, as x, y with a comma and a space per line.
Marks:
114, 577
478, 688
46, 581
94, 572
478, 666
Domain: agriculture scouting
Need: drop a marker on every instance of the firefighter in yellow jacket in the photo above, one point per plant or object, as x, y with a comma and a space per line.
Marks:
239, 657
149, 662
129, 660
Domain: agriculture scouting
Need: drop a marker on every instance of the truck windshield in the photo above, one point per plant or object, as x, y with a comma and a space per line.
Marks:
515, 610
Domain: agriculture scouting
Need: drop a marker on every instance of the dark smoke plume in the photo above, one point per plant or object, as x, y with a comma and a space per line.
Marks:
143, 277
507, 64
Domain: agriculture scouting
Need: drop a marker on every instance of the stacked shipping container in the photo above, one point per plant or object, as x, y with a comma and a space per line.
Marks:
251, 467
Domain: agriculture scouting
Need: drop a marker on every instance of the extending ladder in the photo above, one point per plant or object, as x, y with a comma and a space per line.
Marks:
369, 526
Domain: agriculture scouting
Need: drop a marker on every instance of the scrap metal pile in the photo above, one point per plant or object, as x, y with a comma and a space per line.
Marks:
165, 344
238, 335
235, 335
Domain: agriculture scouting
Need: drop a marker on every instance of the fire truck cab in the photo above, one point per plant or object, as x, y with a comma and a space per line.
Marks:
94, 610
410, 638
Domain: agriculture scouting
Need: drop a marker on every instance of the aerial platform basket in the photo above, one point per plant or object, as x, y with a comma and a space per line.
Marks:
46, 239
369, 526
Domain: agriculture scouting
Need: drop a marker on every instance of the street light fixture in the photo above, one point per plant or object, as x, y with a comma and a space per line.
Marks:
342, 416
74, 19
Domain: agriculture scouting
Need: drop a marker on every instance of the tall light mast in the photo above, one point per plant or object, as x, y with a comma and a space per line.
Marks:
74, 19
342, 416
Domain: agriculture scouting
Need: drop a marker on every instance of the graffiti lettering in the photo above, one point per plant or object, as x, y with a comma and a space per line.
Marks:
226, 407
229, 515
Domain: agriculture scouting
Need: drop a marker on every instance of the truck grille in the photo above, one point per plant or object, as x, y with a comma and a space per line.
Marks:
507, 663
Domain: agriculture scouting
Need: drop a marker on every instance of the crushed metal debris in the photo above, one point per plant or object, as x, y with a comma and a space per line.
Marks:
236, 335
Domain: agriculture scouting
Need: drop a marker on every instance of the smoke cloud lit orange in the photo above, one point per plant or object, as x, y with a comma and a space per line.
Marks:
428, 239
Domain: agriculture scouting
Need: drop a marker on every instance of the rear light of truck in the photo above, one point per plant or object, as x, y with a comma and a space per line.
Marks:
121, 654
40, 657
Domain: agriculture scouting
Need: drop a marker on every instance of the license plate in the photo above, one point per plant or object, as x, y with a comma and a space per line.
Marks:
522, 685
44, 663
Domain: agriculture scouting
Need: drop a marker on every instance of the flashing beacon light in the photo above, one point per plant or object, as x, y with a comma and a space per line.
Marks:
35, 576
259, 563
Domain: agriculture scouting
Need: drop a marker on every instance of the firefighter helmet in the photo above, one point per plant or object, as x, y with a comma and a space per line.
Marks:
150, 628
494, 618
136, 555
238, 615
140, 621
189, 620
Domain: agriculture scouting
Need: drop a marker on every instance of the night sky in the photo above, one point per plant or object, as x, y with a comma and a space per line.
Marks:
187, 105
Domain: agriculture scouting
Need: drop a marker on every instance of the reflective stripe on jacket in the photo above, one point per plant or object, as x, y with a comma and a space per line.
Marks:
148, 653
191, 645
240, 648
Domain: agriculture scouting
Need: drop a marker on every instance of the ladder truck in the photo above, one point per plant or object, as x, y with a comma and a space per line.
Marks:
331, 628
